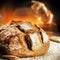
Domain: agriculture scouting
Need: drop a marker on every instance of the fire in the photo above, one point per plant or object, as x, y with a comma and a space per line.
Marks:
39, 18
51, 19
40, 21
42, 11
32, 14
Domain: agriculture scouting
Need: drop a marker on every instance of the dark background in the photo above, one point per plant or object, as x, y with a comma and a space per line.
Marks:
53, 5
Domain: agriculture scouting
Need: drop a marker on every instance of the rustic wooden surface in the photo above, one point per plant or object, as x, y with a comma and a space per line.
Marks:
52, 54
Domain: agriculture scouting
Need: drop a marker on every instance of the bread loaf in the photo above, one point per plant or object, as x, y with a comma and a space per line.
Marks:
23, 39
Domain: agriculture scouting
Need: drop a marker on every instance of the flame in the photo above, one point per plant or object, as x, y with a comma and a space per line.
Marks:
11, 15
39, 18
27, 14
46, 16
51, 19
40, 21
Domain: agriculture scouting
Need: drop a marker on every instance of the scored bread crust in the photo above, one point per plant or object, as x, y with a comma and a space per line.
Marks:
23, 39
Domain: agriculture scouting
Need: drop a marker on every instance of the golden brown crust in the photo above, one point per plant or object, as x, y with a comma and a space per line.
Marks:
32, 42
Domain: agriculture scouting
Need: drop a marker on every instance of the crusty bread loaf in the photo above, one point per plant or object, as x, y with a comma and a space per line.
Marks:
23, 39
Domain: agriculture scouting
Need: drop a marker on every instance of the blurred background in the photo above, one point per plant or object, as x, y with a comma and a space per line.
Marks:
7, 7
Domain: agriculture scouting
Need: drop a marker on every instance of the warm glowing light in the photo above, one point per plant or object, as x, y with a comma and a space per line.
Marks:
39, 18
39, 21
42, 11
32, 14
51, 19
